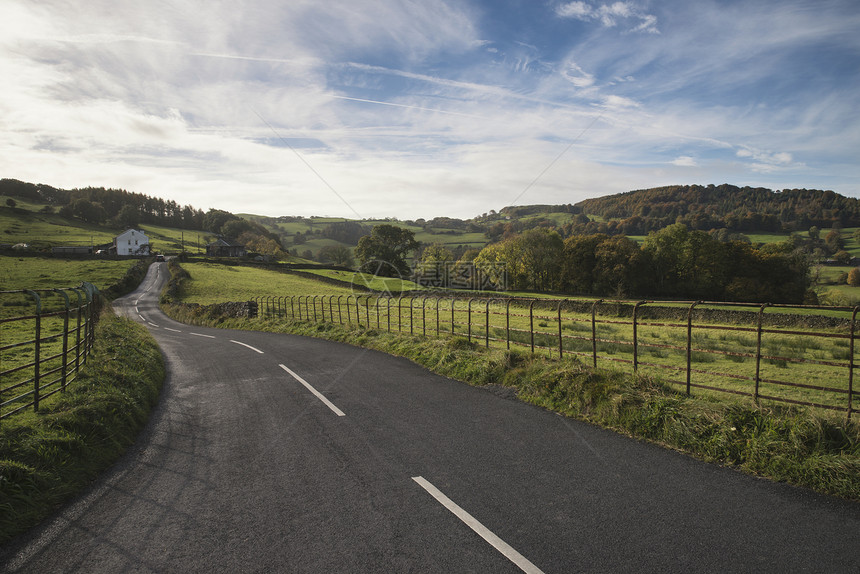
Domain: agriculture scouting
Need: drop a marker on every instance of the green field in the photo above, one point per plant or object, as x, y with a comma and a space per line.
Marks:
50, 273
26, 224
214, 283
38, 274
43, 230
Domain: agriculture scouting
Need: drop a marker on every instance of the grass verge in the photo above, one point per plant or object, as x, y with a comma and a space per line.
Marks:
47, 457
802, 447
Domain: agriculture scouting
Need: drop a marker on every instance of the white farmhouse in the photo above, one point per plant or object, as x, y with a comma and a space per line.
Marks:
131, 242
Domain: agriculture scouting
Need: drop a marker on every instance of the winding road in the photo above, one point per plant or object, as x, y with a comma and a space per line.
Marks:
276, 453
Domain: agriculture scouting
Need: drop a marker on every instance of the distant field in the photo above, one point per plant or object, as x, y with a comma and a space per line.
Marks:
214, 283
41, 230
26, 224
49, 273
367, 280
169, 240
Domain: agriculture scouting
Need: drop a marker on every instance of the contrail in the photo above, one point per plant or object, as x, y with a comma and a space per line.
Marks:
406, 106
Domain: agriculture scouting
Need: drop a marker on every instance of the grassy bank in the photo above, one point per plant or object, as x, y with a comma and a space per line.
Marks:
802, 447
47, 457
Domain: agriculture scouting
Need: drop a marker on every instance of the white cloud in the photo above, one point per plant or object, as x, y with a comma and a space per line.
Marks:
610, 14
684, 161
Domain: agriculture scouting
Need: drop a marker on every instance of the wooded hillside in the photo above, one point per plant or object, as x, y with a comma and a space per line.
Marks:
724, 206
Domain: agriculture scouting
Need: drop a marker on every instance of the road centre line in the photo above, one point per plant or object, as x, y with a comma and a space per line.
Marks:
521, 561
153, 324
246, 345
174, 330
201, 335
316, 393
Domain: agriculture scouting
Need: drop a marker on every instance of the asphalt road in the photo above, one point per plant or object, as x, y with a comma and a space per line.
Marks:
245, 468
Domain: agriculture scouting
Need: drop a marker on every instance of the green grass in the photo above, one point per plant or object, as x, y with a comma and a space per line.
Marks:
389, 284
214, 283
41, 230
49, 273
49, 456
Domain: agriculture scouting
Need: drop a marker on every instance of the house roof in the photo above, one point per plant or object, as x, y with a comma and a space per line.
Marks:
225, 243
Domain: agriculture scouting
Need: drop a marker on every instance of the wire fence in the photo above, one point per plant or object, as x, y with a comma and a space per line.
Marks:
803, 355
46, 336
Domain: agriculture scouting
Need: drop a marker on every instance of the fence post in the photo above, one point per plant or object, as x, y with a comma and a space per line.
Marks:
469, 320
594, 332
65, 339
367, 310
399, 314
388, 311
532, 324
758, 351
453, 302
851, 364
508, 323
636, 336
560, 339
377, 311
339, 312
292, 307
38, 349
411, 314
487, 325
437, 316
690, 343
315, 308
424, 315
88, 322
307, 312
357, 311
78, 332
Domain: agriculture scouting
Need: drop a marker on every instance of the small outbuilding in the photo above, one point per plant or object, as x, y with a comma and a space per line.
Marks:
225, 248
131, 242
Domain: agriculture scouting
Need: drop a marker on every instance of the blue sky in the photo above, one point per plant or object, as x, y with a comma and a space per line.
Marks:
378, 108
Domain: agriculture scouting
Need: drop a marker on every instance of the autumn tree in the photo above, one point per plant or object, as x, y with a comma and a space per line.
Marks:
384, 251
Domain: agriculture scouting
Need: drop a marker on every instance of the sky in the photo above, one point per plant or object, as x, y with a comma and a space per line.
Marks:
424, 108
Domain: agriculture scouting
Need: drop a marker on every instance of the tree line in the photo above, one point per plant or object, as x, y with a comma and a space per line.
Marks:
724, 206
675, 262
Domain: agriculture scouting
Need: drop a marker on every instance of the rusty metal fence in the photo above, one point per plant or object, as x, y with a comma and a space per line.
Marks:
803, 355
46, 336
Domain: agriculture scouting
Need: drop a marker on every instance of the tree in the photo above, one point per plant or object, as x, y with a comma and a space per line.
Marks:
384, 251
128, 217
88, 211
854, 277
842, 257
531, 260
215, 219
436, 253
834, 241
236, 227
11, 203
336, 254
